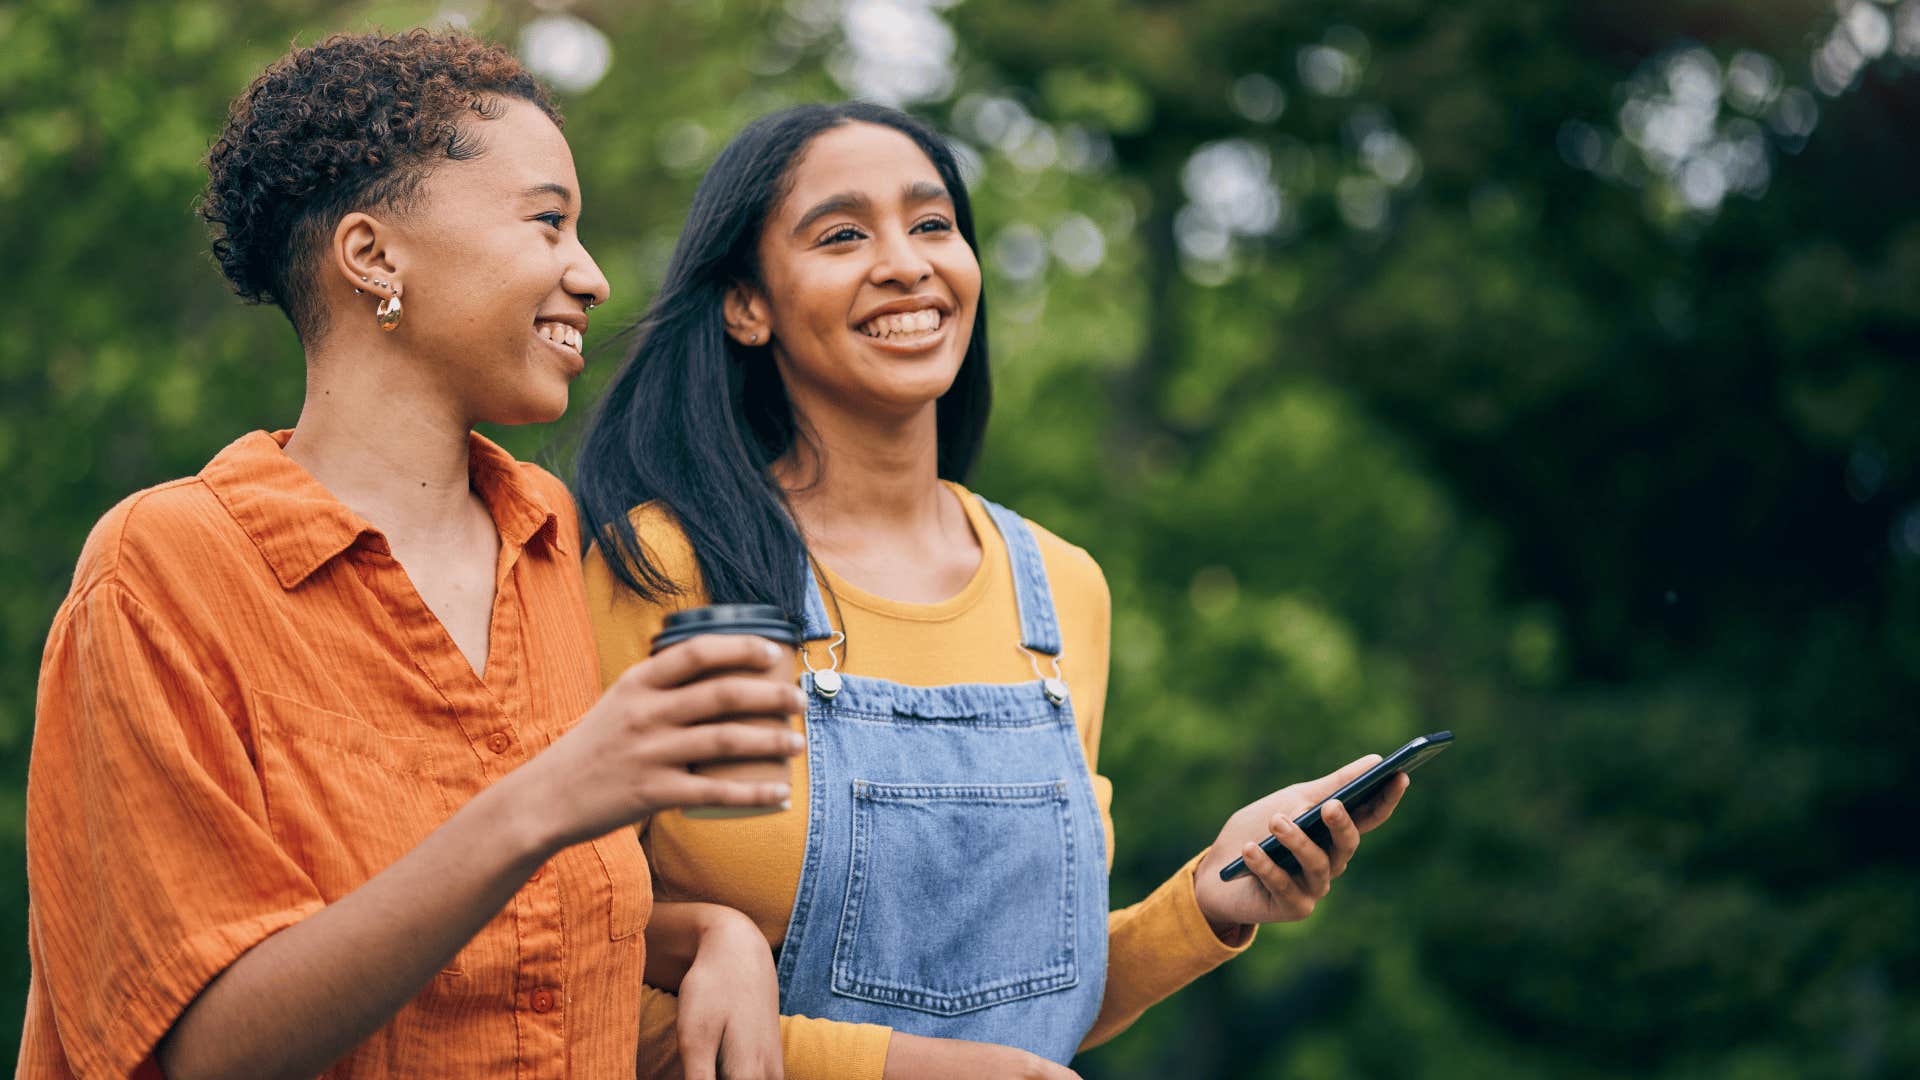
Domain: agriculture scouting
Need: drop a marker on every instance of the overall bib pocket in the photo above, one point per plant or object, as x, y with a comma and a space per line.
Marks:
959, 896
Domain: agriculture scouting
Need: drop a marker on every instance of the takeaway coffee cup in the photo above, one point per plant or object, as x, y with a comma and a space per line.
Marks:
759, 620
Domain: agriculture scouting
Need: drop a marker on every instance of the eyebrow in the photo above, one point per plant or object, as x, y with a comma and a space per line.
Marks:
564, 192
920, 191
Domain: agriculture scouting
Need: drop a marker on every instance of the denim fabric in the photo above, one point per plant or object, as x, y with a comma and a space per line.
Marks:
955, 877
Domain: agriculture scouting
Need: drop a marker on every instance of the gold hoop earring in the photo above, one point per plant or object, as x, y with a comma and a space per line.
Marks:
388, 313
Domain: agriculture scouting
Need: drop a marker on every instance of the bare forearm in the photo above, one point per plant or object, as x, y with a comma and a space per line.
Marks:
303, 998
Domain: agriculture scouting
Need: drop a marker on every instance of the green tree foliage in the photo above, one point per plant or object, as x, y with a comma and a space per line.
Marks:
1406, 366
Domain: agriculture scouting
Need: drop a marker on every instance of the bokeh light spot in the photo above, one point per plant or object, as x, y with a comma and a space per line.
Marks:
571, 54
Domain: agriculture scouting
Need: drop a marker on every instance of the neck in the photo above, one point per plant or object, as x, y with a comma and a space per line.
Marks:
861, 476
384, 442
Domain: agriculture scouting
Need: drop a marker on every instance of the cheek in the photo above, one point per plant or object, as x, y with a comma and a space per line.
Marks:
964, 274
963, 277
811, 303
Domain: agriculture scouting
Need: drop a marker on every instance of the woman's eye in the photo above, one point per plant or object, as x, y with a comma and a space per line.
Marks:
933, 225
844, 234
555, 219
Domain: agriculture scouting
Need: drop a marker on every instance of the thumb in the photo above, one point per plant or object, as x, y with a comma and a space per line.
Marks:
1318, 791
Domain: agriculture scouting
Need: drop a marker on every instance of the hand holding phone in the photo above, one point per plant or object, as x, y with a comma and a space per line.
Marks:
1353, 796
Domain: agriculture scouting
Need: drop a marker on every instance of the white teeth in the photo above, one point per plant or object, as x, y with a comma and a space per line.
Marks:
560, 334
909, 323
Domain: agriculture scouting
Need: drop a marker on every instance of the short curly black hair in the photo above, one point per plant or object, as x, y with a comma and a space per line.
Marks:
353, 123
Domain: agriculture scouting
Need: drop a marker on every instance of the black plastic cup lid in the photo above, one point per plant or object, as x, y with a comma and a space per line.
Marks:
763, 620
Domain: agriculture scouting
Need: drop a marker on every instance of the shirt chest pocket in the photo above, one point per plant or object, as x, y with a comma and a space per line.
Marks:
344, 799
959, 897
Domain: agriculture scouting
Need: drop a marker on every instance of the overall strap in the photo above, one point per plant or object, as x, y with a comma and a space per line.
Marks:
1039, 630
814, 625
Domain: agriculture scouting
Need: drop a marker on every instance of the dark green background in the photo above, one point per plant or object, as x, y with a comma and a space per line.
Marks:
1622, 491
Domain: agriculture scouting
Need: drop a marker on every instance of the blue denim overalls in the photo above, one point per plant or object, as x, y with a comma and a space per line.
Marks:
955, 878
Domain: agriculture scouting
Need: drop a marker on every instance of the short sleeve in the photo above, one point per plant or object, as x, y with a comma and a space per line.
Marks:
150, 867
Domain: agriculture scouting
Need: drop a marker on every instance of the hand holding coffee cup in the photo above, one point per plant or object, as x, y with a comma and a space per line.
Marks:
645, 745
754, 620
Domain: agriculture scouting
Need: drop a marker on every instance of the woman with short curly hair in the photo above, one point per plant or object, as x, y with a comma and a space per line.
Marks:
319, 778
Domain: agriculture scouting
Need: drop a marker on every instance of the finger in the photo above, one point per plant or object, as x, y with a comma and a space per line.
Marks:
1315, 872
727, 741
691, 790
1345, 834
1316, 791
1277, 882
1379, 808
708, 654
699, 1048
737, 1060
729, 696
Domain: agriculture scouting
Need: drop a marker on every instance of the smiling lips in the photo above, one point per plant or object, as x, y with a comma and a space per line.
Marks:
560, 334
904, 326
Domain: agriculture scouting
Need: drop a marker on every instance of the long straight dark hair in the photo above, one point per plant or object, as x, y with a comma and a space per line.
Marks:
694, 419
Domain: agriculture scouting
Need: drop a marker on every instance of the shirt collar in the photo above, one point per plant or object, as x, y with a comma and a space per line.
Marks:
299, 526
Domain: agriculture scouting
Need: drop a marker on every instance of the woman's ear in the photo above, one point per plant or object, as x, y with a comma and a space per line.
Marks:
748, 320
361, 256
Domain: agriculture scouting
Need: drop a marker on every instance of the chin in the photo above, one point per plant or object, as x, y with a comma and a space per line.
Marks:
900, 401
923, 388
547, 412
534, 409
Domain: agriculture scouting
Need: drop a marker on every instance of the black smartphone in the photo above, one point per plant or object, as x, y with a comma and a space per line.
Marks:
1353, 796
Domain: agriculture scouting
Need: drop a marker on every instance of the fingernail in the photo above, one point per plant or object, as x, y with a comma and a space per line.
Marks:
771, 651
796, 741
799, 701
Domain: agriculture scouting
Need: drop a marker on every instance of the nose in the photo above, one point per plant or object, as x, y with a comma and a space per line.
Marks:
584, 279
899, 261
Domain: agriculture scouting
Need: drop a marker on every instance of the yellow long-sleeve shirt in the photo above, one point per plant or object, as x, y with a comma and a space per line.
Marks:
753, 864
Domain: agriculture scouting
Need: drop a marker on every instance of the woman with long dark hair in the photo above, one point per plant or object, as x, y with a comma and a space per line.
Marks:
319, 778
808, 392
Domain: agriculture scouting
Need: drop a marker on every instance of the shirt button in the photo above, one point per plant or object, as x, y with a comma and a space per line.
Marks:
498, 742
542, 1001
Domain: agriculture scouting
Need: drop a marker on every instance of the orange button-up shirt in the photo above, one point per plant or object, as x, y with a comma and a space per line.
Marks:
246, 711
